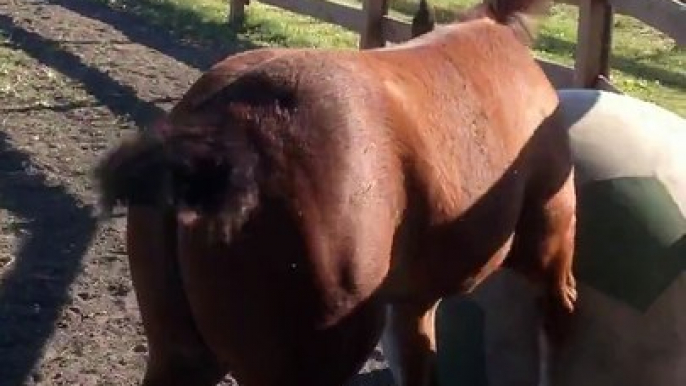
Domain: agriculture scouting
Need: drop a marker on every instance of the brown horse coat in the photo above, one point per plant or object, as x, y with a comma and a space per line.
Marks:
293, 193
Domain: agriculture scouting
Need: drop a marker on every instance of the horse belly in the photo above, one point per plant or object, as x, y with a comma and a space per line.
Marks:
455, 255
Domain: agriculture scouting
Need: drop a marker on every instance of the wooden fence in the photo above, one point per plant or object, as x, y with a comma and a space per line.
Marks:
591, 69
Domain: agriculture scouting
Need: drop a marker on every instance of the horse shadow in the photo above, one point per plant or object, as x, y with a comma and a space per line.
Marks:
55, 230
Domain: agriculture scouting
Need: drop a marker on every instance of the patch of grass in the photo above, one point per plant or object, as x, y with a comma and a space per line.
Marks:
191, 21
645, 63
14, 77
10, 63
24, 82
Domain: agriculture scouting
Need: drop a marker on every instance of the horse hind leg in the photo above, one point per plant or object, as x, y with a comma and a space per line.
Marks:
409, 343
177, 355
543, 251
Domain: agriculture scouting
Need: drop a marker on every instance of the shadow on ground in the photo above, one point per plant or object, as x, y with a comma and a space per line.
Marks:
56, 228
56, 231
120, 99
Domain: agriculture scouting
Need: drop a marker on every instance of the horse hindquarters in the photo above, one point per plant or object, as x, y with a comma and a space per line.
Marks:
278, 296
177, 355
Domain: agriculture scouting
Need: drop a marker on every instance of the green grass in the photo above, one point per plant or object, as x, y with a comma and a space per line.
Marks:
10, 62
24, 81
645, 63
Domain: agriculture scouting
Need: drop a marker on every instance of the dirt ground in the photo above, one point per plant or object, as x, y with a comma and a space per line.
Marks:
74, 77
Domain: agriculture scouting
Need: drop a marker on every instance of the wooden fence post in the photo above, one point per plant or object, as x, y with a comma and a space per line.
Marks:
594, 42
237, 12
372, 35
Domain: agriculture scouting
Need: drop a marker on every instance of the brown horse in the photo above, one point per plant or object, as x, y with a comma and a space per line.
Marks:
294, 194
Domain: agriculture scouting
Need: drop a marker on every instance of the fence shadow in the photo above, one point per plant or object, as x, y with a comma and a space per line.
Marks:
122, 100
176, 32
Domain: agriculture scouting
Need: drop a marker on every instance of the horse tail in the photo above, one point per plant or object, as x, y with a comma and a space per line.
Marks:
199, 171
131, 174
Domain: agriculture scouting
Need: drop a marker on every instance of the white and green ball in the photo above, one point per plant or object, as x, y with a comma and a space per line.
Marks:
630, 159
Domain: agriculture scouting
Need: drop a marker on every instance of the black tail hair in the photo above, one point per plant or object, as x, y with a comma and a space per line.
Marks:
198, 170
134, 173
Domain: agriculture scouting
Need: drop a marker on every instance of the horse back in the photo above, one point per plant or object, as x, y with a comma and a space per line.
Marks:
466, 100
465, 106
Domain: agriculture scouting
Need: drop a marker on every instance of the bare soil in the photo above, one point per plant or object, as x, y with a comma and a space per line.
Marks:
74, 77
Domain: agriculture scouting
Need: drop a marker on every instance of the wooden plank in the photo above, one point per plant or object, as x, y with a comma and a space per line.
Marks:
372, 34
594, 42
237, 11
347, 16
667, 16
560, 76
396, 30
